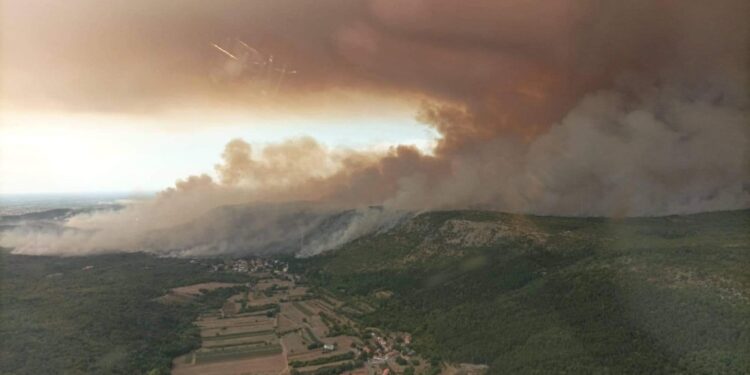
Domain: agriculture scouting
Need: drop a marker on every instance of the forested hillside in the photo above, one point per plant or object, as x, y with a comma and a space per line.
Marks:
522, 294
98, 314
556, 295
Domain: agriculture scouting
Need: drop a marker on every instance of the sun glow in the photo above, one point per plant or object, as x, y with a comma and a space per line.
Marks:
42, 153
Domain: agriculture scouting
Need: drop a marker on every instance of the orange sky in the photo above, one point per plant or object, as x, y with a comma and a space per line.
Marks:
101, 95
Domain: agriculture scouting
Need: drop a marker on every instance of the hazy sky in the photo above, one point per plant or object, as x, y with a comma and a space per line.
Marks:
42, 153
602, 107
123, 96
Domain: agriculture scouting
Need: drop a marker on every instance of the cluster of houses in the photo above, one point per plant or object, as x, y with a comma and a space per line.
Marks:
385, 349
272, 266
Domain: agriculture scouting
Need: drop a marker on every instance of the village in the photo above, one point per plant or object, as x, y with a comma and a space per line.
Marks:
278, 325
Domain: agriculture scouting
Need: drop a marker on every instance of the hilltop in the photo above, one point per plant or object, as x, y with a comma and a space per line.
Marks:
528, 294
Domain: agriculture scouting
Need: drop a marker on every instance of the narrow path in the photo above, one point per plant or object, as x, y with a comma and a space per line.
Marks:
286, 359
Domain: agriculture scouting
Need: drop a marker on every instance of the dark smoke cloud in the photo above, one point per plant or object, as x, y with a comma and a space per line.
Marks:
571, 107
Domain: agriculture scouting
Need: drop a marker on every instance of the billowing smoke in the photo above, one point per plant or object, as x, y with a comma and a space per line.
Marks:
603, 108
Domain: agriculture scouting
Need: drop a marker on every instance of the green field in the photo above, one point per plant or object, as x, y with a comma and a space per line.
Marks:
528, 294
236, 353
238, 335
323, 360
219, 345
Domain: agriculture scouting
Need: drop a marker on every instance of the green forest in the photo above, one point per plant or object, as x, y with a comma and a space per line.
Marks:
589, 296
521, 294
97, 314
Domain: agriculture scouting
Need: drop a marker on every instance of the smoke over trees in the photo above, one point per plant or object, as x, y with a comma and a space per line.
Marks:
604, 108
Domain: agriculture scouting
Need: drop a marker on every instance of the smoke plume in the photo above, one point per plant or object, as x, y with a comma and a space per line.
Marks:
584, 108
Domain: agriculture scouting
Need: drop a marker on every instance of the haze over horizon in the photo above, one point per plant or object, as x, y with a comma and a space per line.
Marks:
375, 187
577, 108
37, 151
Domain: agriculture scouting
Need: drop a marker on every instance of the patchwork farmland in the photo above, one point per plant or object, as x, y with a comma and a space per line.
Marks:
275, 327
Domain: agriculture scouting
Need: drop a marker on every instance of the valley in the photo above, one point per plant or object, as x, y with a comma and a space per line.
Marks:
448, 292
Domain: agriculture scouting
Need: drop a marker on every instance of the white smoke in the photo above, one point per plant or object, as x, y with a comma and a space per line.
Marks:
636, 108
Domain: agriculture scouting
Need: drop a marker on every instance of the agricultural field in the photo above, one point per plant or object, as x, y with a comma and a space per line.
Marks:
274, 327
234, 344
186, 294
198, 289
255, 333
258, 365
